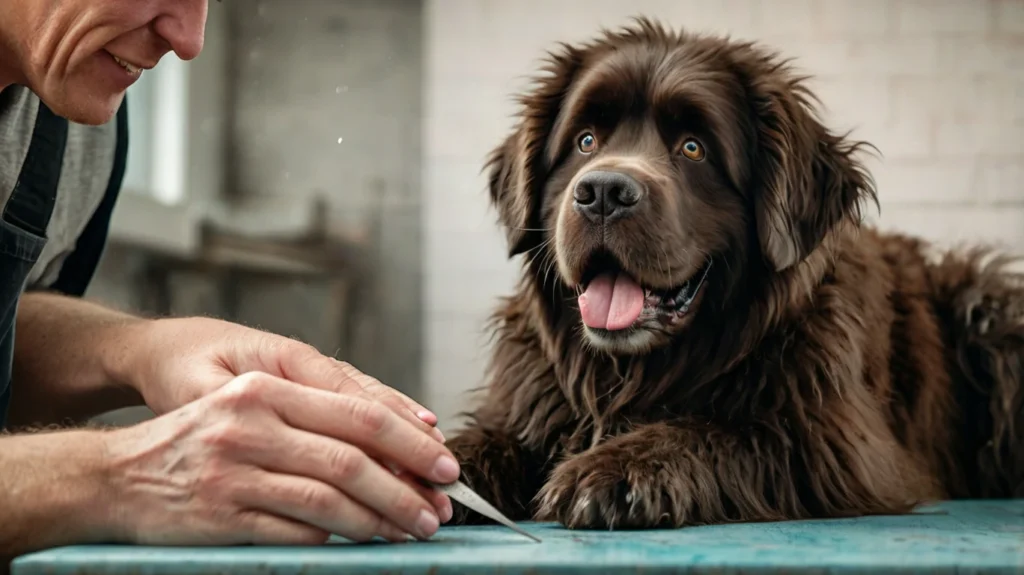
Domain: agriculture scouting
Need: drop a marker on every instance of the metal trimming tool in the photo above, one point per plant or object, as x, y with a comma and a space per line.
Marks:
461, 492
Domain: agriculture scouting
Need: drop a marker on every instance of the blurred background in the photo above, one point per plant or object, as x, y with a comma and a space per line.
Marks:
316, 171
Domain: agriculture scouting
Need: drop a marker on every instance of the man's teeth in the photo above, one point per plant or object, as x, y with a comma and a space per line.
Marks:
133, 70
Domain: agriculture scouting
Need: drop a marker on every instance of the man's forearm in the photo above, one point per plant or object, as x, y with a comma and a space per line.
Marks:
67, 360
53, 491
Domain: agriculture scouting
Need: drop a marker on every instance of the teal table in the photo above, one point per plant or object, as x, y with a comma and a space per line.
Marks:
976, 537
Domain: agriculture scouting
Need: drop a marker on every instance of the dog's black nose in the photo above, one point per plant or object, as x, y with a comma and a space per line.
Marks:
606, 196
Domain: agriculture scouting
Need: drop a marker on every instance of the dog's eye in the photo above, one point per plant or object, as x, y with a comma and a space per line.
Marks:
693, 150
587, 143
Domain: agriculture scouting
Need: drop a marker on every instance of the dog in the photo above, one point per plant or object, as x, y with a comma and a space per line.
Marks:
705, 330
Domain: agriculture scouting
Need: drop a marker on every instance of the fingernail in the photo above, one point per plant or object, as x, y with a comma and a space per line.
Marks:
447, 512
446, 469
438, 435
427, 524
425, 415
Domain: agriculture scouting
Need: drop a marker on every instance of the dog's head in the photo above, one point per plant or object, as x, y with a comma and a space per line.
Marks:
657, 172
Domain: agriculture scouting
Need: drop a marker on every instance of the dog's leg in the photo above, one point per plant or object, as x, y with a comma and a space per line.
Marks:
499, 468
670, 475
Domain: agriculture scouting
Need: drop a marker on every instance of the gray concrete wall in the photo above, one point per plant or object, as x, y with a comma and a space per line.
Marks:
327, 102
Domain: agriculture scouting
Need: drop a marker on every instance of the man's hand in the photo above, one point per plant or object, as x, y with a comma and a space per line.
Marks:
260, 438
264, 460
260, 460
176, 361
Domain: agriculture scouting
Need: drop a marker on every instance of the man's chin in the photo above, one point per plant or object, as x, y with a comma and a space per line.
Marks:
89, 108
93, 115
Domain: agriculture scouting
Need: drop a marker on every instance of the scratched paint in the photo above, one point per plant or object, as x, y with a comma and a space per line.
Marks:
963, 537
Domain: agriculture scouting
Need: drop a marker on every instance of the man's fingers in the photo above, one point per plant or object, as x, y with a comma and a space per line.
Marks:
353, 473
378, 389
265, 529
305, 365
305, 506
370, 426
418, 415
441, 502
327, 437
424, 419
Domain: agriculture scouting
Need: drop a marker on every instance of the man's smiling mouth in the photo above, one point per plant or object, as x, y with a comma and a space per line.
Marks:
132, 69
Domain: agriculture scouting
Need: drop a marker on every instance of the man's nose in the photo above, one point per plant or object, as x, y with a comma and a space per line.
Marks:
183, 26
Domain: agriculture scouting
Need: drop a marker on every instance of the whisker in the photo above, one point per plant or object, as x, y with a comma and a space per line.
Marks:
551, 269
542, 267
689, 257
547, 266
668, 262
533, 256
538, 246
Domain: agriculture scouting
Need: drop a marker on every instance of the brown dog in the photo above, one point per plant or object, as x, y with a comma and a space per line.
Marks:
704, 332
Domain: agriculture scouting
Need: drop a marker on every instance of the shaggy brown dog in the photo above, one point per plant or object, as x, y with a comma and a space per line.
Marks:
704, 332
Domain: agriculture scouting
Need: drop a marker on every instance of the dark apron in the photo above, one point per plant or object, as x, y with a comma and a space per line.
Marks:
23, 225
23, 229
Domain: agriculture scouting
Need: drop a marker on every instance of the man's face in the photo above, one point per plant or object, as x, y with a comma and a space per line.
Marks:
80, 56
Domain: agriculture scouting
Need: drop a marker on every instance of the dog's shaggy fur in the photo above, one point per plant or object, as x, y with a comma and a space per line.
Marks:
821, 369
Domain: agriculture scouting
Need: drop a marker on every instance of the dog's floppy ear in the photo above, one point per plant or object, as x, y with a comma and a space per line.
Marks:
809, 179
516, 170
511, 185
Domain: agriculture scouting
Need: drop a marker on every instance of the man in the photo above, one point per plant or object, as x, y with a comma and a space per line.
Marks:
258, 438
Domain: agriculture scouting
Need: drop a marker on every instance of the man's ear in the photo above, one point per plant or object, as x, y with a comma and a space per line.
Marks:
809, 179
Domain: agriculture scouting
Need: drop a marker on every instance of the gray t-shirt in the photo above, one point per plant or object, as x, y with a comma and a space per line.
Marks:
87, 169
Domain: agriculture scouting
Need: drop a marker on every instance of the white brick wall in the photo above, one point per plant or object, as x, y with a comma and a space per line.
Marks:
936, 85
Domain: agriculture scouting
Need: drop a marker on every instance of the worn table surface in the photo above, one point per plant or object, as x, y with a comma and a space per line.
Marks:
961, 537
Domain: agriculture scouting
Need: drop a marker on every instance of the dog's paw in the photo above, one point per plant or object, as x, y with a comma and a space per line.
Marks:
591, 491
493, 467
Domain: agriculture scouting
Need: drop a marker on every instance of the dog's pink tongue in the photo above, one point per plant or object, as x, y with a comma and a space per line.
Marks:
612, 302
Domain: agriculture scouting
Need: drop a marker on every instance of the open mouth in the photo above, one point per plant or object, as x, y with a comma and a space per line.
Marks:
130, 68
612, 300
